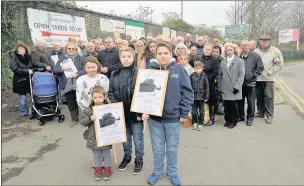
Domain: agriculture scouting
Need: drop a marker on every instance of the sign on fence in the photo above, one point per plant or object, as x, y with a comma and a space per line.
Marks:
55, 27
173, 33
166, 32
109, 25
285, 36
135, 30
232, 31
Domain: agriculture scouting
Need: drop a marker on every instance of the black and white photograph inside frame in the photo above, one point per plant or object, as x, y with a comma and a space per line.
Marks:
150, 90
110, 124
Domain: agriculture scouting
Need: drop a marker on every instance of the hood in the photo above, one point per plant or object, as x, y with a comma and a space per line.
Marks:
155, 65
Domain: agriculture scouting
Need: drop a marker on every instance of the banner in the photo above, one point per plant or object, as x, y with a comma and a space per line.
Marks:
166, 32
109, 25
134, 29
55, 27
285, 36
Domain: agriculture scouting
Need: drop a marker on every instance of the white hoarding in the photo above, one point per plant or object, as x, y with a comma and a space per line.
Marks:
55, 27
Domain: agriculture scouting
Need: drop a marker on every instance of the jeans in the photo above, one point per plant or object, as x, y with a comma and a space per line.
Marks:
106, 154
231, 111
23, 104
165, 141
265, 97
135, 129
249, 94
198, 104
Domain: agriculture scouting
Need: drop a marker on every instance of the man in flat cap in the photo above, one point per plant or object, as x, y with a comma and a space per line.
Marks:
273, 62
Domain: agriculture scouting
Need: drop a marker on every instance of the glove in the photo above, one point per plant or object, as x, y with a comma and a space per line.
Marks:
235, 91
206, 100
30, 71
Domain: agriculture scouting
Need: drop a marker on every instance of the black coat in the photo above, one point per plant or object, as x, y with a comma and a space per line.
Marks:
193, 59
115, 93
211, 69
20, 66
110, 59
200, 86
253, 68
41, 58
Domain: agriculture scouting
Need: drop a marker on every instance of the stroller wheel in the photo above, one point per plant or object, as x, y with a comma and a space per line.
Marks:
61, 118
42, 121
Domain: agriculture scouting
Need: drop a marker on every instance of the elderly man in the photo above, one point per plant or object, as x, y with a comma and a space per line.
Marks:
118, 43
57, 52
252, 45
91, 50
200, 45
179, 39
254, 68
99, 45
273, 62
159, 38
82, 47
108, 58
40, 57
188, 40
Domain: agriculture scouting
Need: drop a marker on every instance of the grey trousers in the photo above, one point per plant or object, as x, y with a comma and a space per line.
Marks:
265, 97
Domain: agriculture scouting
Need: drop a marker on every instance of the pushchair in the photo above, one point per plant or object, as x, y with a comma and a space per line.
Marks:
44, 97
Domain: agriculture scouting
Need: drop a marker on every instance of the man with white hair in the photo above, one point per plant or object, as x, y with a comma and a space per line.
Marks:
150, 38
179, 39
109, 58
40, 57
82, 47
252, 45
188, 41
57, 52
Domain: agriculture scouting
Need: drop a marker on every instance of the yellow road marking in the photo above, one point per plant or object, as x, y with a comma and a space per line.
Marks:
291, 91
295, 100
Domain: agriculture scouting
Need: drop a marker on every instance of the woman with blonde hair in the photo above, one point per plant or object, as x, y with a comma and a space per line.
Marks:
180, 49
231, 78
139, 50
68, 84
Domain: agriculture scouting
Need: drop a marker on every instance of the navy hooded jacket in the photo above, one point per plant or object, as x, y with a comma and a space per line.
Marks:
179, 94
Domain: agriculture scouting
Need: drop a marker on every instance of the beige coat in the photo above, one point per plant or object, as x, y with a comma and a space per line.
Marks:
273, 62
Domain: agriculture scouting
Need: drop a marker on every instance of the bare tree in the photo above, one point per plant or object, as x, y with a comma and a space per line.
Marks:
295, 16
237, 14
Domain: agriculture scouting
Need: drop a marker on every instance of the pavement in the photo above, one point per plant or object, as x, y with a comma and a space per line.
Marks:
55, 154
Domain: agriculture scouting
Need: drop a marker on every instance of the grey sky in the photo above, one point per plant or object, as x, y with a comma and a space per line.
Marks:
211, 13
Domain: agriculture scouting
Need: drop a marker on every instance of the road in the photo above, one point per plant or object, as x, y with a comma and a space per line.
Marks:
292, 77
55, 154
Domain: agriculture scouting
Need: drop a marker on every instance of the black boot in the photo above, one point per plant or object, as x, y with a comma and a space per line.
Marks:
139, 165
212, 116
124, 163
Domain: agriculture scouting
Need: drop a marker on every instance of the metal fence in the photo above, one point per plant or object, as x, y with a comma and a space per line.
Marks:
293, 55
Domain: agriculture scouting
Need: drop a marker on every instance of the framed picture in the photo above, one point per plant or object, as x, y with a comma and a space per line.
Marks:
110, 127
150, 91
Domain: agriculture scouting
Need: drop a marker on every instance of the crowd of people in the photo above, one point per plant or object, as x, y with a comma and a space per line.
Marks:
200, 73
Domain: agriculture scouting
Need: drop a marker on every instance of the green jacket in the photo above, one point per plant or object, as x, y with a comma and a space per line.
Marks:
87, 122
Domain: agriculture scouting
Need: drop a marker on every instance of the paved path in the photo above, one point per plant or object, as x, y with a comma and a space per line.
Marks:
263, 154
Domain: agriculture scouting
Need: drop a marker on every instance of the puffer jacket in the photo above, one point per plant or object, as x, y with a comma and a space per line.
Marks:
273, 62
200, 86
84, 119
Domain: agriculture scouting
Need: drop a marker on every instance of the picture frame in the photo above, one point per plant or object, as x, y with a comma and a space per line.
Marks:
150, 91
110, 126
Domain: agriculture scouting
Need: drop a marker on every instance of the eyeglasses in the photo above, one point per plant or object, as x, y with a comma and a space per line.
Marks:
71, 48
